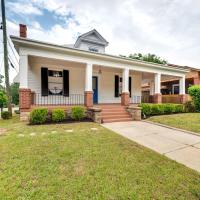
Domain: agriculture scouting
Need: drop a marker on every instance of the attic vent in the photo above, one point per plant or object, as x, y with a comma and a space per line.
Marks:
93, 49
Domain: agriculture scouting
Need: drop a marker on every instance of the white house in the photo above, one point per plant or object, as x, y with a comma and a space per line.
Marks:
55, 75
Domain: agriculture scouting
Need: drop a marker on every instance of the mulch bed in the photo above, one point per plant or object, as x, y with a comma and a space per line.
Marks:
67, 121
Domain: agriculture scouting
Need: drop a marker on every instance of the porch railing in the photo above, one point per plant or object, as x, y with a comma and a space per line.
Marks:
135, 99
72, 99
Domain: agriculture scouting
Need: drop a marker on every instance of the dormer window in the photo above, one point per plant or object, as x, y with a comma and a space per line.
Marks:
91, 41
93, 49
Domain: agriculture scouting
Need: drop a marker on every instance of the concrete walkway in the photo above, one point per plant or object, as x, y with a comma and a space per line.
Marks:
177, 145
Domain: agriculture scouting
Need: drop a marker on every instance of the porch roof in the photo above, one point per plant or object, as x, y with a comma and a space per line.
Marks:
30, 43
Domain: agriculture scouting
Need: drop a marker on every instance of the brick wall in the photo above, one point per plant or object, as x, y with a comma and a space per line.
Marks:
25, 99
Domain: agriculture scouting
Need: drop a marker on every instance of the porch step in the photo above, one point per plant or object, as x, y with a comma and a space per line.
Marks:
117, 120
114, 113
121, 116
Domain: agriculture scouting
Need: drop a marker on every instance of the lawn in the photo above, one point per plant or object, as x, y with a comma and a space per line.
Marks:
73, 161
186, 121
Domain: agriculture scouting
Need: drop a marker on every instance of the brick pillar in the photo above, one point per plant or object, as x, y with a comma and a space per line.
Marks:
25, 99
157, 98
125, 99
88, 100
183, 98
196, 80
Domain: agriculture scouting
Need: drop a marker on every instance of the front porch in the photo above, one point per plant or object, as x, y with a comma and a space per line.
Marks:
51, 82
58, 83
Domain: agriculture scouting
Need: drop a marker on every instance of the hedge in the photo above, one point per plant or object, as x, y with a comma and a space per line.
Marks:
194, 92
161, 109
42, 115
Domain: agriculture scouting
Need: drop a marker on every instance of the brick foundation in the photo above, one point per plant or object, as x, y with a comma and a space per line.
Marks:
88, 99
157, 98
25, 99
125, 99
183, 98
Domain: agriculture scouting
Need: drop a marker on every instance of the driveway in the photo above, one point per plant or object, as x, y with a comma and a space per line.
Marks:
177, 145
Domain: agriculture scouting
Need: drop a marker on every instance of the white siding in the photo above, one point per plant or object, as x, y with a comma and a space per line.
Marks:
86, 45
106, 84
76, 82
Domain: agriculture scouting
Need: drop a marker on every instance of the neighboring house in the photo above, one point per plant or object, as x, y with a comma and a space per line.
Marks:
56, 75
170, 87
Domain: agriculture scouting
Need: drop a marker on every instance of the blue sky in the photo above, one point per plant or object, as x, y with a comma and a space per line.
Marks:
168, 28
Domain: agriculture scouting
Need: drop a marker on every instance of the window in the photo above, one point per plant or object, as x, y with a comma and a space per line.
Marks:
175, 89
55, 82
93, 49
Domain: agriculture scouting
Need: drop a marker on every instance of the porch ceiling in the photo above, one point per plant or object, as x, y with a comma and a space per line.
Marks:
57, 62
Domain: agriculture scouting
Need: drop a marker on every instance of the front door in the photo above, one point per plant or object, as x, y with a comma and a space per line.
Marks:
95, 89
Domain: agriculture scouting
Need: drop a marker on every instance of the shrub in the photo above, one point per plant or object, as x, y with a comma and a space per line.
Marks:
58, 115
168, 108
3, 99
146, 109
78, 112
179, 108
38, 115
189, 106
160, 109
5, 115
194, 92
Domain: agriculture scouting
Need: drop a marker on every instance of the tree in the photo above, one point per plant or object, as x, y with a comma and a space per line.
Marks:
15, 93
1, 81
3, 100
148, 58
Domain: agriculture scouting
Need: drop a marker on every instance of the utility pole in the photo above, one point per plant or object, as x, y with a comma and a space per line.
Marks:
6, 66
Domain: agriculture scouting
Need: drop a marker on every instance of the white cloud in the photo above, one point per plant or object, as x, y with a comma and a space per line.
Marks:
167, 28
23, 8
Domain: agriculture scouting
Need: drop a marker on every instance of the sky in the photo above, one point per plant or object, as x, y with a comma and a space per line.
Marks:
167, 28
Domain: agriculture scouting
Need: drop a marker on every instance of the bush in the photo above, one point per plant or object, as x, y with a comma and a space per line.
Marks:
38, 115
3, 99
168, 108
160, 109
146, 109
194, 92
58, 115
78, 113
189, 106
5, 115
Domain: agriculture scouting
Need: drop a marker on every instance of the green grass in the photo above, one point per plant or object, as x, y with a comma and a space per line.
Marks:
86, 164
186, 121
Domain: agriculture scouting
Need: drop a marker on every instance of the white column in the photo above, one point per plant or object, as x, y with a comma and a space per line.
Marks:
182, 85
23, 71
125, 80
88, 77
157, 83
151, 87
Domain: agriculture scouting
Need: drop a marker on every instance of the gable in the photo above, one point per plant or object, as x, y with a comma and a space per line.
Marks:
91, 37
